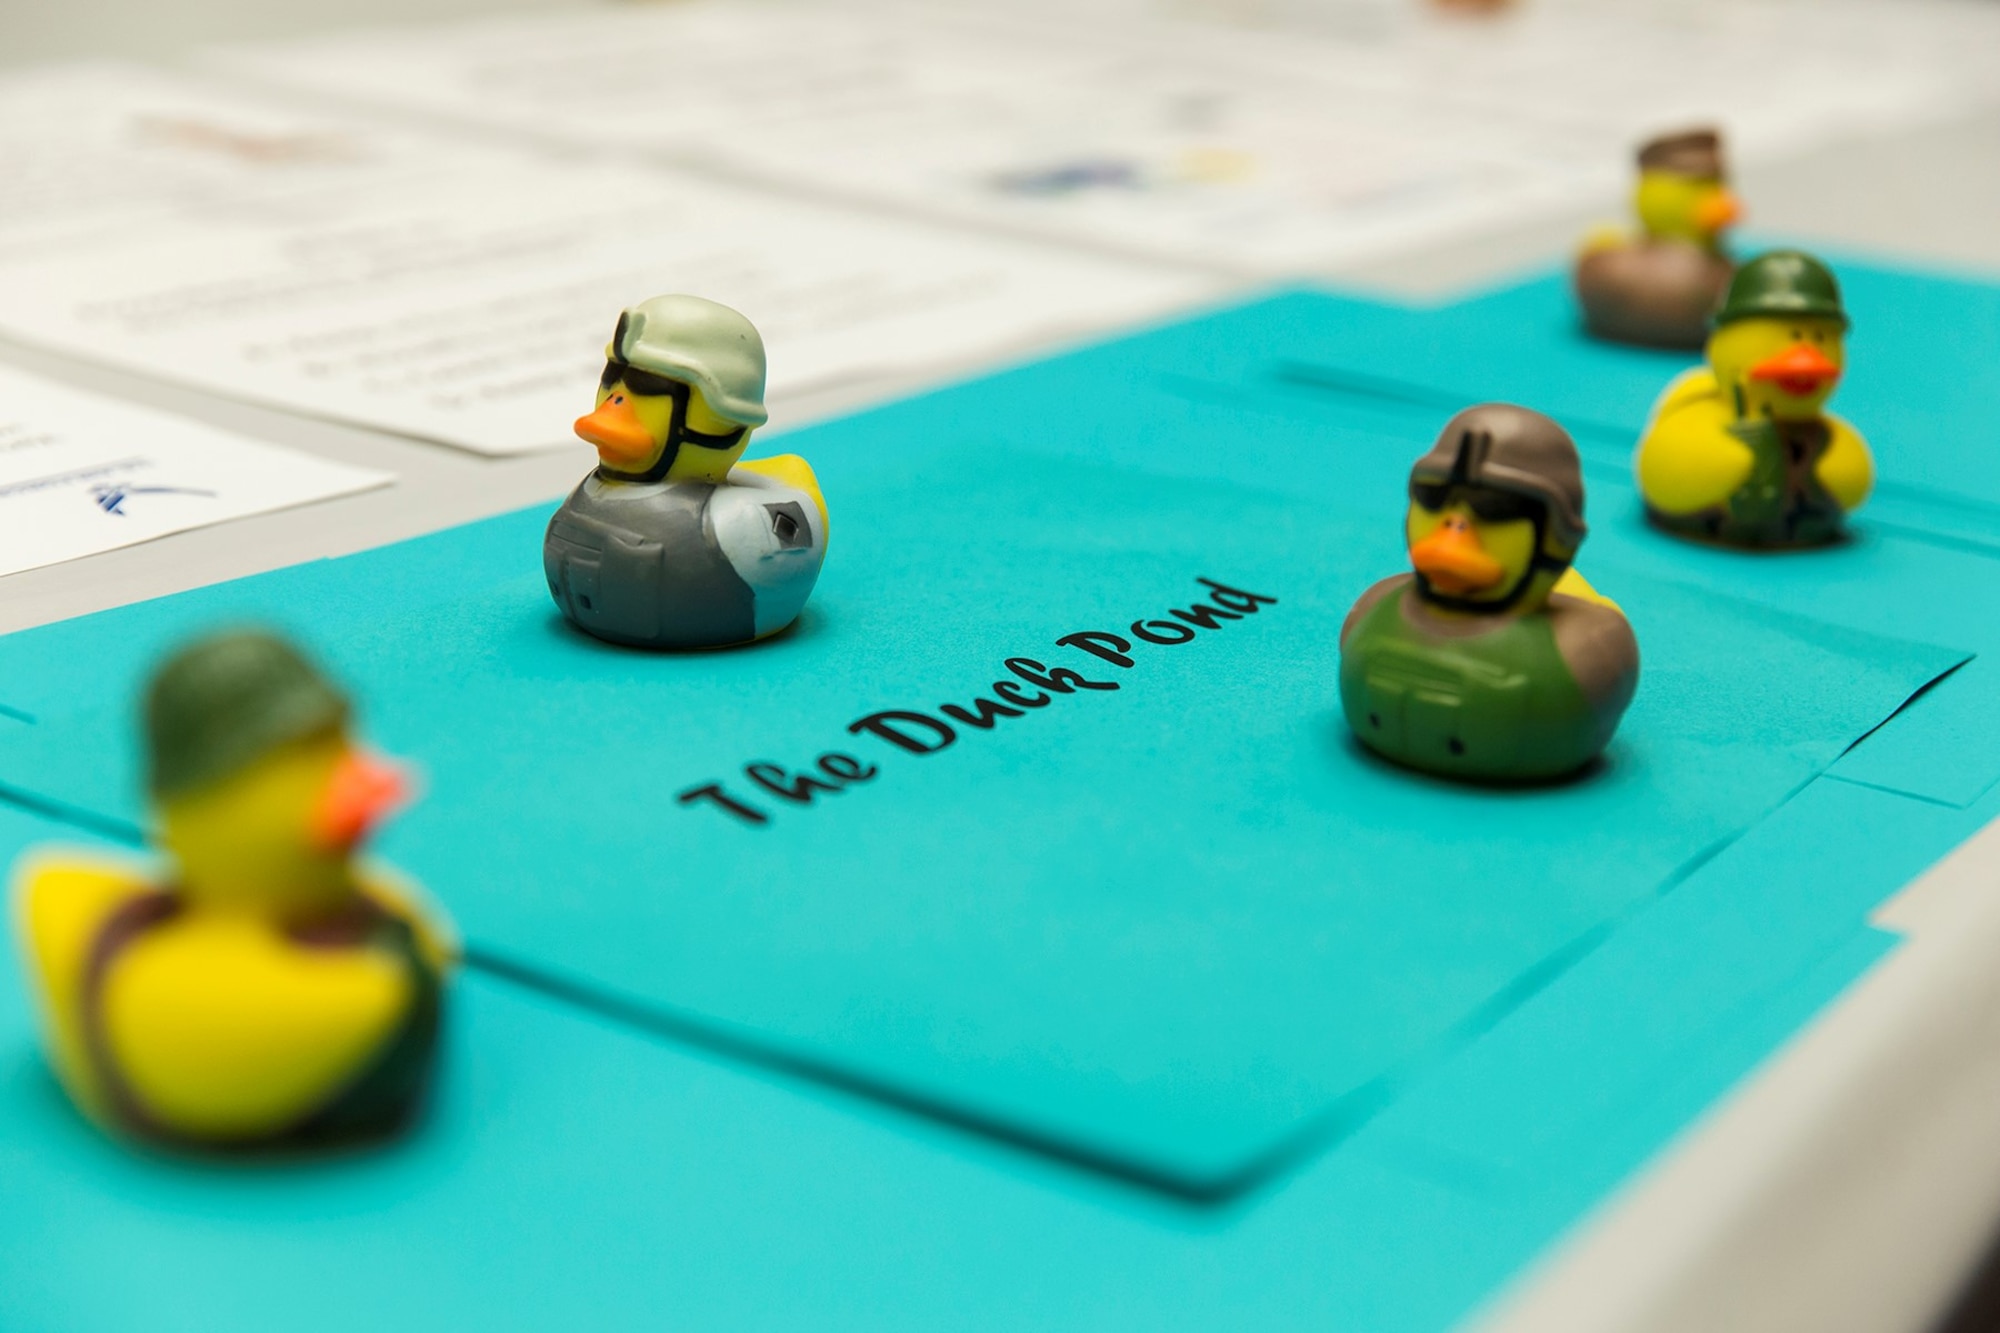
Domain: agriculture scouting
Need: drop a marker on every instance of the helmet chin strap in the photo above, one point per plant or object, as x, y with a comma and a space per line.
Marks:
678, 434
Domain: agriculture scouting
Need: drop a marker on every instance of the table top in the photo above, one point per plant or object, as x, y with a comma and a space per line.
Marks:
1850, 1183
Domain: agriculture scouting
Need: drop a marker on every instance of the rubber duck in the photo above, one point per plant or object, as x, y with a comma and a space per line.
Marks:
1493, 660
1742, 451
1658, 287
262, 991
672, 542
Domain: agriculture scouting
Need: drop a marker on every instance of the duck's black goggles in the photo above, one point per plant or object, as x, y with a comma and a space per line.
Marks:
640, 381
1487, 504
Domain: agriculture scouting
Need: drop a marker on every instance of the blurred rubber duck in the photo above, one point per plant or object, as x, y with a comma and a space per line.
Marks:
1493, 660
1743, 451
262, 991
672, 542
1658, 287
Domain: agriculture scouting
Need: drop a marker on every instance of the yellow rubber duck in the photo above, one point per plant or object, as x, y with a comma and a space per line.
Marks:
1743, 451
1494, 659
673, 542
1658, 287
262, 991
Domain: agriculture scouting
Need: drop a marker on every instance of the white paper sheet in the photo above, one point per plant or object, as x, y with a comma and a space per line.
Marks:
81, 473
457, 292
1267, 135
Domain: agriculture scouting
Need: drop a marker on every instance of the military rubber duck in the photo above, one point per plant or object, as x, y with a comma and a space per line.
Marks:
1658, 287
1494, 660
262, 991
1742, 451
672, 542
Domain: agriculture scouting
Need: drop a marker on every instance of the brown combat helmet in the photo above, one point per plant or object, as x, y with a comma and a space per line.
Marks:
1513, 449
1696, 153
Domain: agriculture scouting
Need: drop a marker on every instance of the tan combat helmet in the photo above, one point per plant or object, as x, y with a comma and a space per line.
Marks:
1510, 448
697, 342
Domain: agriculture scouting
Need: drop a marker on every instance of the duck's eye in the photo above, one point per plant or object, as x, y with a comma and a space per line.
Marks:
1798, 335
1819, 336
617, 397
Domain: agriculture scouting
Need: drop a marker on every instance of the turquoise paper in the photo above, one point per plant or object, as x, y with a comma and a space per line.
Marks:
577, 1174
573, 1173
1182, 931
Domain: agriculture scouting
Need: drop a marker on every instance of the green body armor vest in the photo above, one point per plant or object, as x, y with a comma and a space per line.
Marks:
1499, 703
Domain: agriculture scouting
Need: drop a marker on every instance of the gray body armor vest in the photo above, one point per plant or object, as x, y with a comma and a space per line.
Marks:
640, 563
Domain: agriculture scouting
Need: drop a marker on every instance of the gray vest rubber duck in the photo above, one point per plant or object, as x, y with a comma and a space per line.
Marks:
672, 542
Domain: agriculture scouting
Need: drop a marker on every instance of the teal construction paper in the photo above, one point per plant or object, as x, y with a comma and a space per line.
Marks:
574, 1173
1702, 982
1183, 930
1946, 745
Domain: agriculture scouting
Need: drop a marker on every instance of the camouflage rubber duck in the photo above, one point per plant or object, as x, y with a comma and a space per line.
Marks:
261, 989
1743, 451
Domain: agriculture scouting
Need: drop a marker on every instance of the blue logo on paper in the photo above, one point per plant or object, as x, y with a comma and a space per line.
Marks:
111, 498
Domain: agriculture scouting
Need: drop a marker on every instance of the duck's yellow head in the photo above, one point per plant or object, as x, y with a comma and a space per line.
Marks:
262, 797
682, 389
1496, 511
1683, 194
1779, 344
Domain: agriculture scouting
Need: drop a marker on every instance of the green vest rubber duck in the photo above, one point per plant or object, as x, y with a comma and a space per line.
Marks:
1494, 660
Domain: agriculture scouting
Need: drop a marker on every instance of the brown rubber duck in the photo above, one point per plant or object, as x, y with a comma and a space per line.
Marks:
1658, 288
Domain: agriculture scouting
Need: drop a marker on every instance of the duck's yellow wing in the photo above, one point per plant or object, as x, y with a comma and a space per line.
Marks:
1688, 461
793, 471
1576, 585
1603, 236
61, 901
1846, 469
224, 1029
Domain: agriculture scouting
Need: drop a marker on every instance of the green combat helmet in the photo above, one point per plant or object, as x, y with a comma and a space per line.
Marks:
701, 343
1780, 284
226, 701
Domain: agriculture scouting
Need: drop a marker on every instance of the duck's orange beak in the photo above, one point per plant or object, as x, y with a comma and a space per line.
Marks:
1719, 210
622, 442
1452, 560
1798, 370
363, 789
